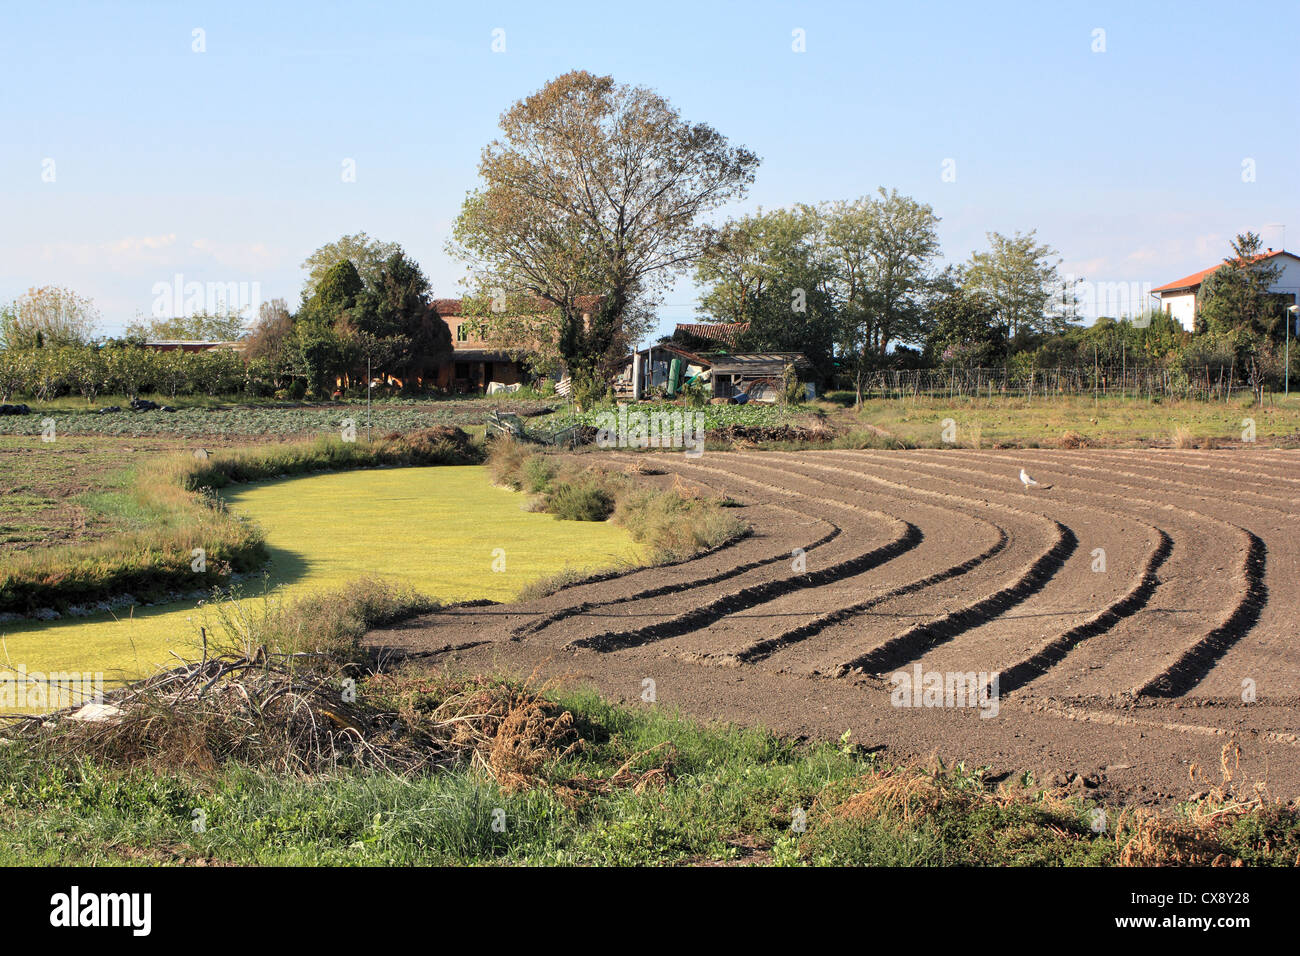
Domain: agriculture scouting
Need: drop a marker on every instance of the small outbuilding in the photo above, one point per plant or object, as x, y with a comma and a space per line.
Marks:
760, 376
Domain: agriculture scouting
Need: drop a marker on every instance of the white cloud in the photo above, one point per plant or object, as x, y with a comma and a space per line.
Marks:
126, 251
243, 256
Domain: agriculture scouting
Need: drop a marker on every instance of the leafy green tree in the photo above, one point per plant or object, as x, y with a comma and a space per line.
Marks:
318, 355
87, 371
50, 315
1018, 275
594, 188
769, 270
173, 372
882, 250
366, 255
49, 373
217, 371
15, 372
202, 326
965, 330
323, 326
1236, 307
336, 293
131, 369
395, 327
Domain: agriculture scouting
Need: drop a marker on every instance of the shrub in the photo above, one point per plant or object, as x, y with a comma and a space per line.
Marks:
505, 462
537, 474
674, 526
580, 502
330, 623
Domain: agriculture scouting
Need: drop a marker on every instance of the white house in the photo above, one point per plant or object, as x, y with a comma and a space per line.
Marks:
1180, 297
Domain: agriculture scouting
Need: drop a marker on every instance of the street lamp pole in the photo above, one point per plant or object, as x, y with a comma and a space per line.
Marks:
1290, 317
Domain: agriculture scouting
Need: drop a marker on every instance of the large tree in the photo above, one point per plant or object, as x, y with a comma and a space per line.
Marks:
1236, 308
50, 316
769, 270
1018, 275
882, 250
397, 330
594, 188
962, 327
366, 255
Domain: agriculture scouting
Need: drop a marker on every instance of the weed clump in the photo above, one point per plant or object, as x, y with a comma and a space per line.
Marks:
587, 501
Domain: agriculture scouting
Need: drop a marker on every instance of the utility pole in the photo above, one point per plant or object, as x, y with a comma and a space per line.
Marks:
369, 384
1290, 317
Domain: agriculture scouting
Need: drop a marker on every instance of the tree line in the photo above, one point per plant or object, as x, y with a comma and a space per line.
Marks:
856, 286
365, 307
597, 196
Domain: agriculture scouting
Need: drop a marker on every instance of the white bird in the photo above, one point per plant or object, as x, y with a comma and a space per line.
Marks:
1025, 479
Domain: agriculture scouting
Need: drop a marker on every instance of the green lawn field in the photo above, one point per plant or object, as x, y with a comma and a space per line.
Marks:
435, 529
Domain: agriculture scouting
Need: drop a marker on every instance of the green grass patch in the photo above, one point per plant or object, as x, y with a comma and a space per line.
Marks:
445, 532
670, 523
184, 537
566, 778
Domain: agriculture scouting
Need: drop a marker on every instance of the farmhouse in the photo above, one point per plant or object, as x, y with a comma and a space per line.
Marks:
475, 363
1180, 298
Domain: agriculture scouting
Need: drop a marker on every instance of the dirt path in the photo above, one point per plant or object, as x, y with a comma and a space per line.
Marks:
1138, 614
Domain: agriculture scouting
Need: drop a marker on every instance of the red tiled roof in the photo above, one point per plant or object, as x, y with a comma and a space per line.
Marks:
1196, 278
728, 332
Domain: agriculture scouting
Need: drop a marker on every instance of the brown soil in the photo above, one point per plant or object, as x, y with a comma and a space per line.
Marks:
1134, 676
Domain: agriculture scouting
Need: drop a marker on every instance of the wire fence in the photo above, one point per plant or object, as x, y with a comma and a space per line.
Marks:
1204, 383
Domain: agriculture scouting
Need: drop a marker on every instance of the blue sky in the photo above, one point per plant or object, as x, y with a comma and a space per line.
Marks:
225, 166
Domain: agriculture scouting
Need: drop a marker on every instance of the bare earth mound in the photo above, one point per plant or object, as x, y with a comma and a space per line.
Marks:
1139, 613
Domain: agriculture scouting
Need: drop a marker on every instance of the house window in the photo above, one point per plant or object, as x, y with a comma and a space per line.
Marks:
462, 333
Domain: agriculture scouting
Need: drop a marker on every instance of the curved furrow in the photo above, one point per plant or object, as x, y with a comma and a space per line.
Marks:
1162, 476
585, 607
1217, 467
775, 523
1195, 663
903, 648
1053, 620
793, 655
1279, 461
761, 650
1040, 616
591, 626
908, 537
797, 619
1229, 629
1054, 651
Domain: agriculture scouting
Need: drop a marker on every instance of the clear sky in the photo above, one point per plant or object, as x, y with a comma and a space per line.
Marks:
226, 165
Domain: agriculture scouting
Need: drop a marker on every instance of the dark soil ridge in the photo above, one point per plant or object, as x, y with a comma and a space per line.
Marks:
1195, 663
1241, 618
903, 648
523, 630
1033, 667
763, 649
756, 594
